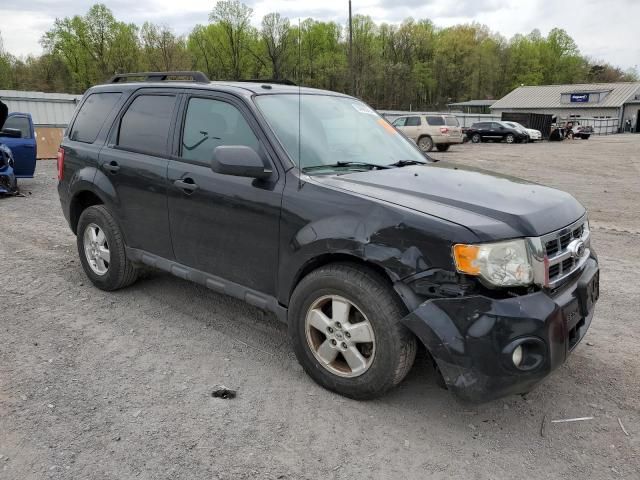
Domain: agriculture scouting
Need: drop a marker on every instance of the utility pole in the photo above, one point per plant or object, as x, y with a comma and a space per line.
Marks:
351, 73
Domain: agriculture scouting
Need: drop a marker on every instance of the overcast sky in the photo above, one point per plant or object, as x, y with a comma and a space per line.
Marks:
603, 29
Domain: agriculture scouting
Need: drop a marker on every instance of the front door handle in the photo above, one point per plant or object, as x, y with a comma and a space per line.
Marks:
112, 166
187, 185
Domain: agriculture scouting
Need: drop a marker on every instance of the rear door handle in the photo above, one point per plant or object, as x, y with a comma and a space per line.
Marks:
187, 185
112, 166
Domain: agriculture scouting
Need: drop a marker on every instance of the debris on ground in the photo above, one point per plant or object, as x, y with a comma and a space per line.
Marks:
543, 425
220, 391
579, 419
622, 427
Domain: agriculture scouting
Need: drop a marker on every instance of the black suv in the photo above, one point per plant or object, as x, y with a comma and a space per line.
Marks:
495, 131
307, 203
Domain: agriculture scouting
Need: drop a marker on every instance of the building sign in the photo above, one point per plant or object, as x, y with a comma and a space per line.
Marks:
579, 97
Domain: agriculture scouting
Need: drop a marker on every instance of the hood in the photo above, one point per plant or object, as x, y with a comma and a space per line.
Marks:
4, 113
491, 205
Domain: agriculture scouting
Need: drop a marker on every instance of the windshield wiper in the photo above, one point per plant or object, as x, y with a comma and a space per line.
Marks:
404, 163
345, 164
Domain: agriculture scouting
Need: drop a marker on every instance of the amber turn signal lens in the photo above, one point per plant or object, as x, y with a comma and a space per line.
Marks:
465, 256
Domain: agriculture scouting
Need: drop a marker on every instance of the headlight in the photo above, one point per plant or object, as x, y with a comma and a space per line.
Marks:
503, 264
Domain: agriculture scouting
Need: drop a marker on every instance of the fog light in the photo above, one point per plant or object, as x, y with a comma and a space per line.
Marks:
516, 356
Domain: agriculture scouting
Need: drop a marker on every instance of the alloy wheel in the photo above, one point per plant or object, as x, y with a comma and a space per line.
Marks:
340, 336
96, 249
425, 144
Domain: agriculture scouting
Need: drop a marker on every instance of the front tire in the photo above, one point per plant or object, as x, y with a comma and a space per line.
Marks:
476, 138
102, 251
510, 138
344, 324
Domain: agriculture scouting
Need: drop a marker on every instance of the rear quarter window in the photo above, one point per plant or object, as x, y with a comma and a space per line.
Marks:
145, 125
92, 115
452, 121
435, 120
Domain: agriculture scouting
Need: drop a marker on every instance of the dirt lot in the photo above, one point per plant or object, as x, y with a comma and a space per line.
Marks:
116, 386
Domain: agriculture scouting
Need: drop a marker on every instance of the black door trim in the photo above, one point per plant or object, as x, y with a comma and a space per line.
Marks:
213, 282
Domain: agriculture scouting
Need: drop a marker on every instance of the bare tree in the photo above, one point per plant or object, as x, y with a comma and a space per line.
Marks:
234, 17
276, 35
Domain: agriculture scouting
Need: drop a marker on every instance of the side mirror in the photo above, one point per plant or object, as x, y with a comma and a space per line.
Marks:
11, 133
238, 160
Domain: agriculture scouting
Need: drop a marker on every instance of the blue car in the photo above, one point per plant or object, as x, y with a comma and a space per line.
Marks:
17, 149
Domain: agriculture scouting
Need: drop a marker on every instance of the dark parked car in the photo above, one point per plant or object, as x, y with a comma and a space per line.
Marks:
341, 227
496, 131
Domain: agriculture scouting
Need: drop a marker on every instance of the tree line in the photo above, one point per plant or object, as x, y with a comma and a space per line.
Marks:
411, 65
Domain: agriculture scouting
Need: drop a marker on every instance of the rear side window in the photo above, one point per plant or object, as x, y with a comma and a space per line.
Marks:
145, 125
413, 122
399, 122
211, 123
434, 120
452, 121
19, 123
92, 115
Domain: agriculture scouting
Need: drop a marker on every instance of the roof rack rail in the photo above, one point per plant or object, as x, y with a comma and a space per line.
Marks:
274, 81
160, 76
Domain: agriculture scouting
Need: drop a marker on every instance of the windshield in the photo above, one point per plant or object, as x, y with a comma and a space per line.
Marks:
334, 130
515, 125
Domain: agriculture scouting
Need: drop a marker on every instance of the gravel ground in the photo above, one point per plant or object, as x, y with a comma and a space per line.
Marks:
97, 385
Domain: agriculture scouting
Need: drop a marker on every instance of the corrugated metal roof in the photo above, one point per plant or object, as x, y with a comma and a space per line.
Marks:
55, 109
473, 103
548, 96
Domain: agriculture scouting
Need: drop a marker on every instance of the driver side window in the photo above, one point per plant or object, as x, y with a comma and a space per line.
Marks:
211, 123
399, 122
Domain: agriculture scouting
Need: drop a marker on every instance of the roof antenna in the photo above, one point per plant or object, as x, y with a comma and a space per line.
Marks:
299, 105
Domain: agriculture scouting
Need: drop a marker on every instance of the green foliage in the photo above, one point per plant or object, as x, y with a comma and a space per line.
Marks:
414, 64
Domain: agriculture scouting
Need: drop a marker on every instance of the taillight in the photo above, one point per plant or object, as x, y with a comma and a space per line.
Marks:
444, 130
60, 158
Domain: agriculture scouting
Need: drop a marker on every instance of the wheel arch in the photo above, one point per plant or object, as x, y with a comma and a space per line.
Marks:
404, 293
80, 201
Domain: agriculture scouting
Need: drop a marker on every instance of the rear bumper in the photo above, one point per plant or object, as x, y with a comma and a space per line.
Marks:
472, 338
63, 194
446, 140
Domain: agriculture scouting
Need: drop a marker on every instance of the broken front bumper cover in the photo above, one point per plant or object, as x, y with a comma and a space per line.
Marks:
8, 183
472, 339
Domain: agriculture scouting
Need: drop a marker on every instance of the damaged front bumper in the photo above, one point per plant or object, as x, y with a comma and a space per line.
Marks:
473, 339
8, 183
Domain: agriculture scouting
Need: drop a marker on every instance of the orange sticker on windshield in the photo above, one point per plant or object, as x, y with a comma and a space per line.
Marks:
387, 126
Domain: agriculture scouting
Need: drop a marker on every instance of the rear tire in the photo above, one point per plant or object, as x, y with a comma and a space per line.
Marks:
102, 251
443, 147
373, 313
425, 144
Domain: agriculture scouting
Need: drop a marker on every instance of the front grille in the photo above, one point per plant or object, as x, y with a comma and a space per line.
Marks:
560, 249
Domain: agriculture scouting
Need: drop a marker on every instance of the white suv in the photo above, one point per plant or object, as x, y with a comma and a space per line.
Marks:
432, 130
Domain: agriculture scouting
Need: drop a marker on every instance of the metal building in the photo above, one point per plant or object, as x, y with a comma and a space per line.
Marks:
472, 106
51, 113
605, 106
